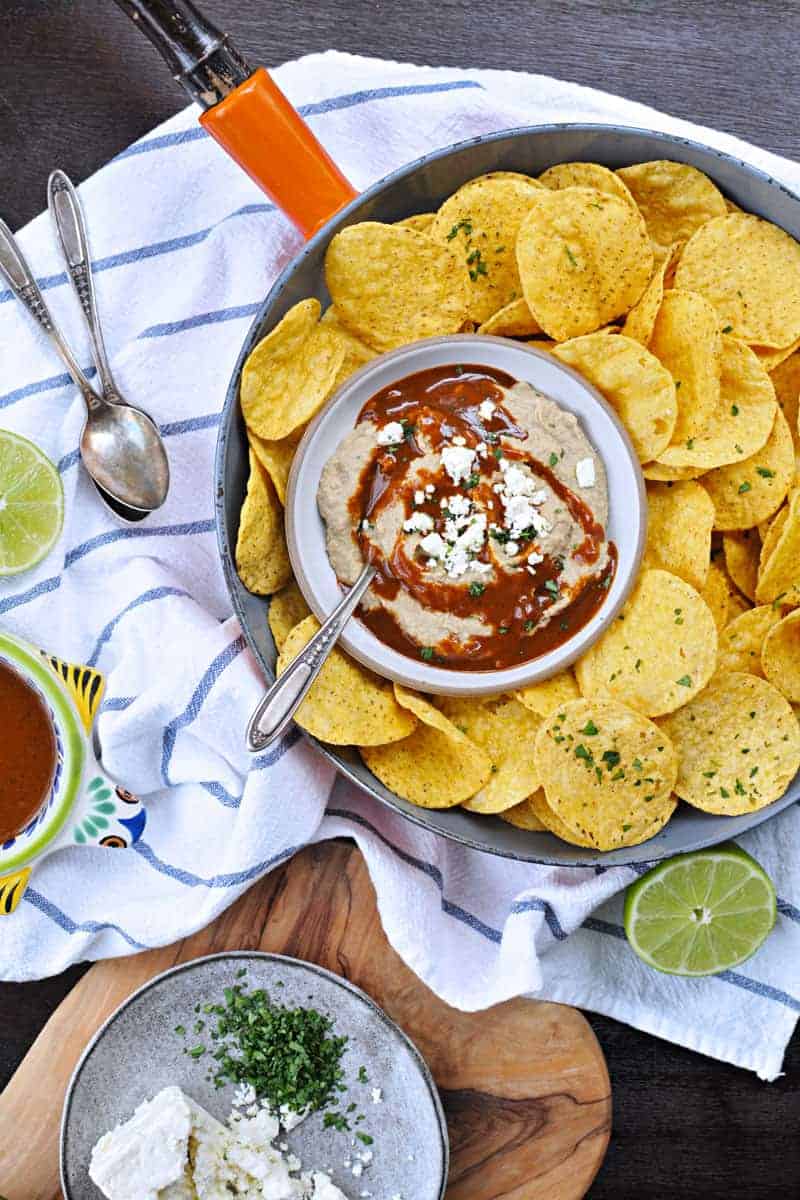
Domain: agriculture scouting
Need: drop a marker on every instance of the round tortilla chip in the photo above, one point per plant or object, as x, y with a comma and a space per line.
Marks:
522, 816
586, 174
742, 552
679, 522
287, 608
513, 320
276, 458
738, 745
742, 638
480, 222
686, 339
715, 594
290, 374
786, 381
392, 285
659, 473
641, 320
550, 821
742, 420
749, 270
658, 653
262, 560
674, 198
780, 656
506, 730
346, 704
633, 381
747, 492
421, 222
771, 358
437, 766
770, 531
584, 259
779, 573
607, 772
543, 697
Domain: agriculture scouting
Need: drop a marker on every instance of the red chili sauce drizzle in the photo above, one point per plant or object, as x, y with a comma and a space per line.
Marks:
444, 402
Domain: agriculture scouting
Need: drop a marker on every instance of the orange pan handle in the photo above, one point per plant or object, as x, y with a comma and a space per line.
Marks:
269, 140
246, 112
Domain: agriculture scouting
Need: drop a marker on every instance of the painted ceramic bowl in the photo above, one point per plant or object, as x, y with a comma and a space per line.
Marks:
83, 807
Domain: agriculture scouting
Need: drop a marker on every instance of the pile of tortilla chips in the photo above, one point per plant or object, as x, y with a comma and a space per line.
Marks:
684, 312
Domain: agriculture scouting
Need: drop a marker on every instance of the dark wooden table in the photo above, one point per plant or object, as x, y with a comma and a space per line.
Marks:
77, 84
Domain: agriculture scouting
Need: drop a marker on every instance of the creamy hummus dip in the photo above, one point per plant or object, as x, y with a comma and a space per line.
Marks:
483, 506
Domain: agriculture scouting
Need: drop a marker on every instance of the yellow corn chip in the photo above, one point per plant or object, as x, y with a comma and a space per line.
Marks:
513, 320
749, 270
584, 259
747, 492
786, 381
550, 821
506, 730
437, 766
738, 745
658, 653
742, 551
715, 594
347, 704
641, 320
420, 222
607, 772
542, 698
675, 199
779, 576
679, 522
393, 285
780, 656
290, 374
741, 640
660, 473
287, 608
771, 359
632, 380
586, 174
262, 559
687, 341
523, 817
276, 458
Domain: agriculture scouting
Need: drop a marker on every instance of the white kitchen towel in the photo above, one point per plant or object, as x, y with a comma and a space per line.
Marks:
185, 250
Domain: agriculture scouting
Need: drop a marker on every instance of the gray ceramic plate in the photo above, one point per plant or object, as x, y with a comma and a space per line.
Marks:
421, 187
137, 1052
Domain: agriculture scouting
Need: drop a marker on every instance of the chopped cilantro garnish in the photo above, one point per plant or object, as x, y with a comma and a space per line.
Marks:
571, 256
765, 473
197, 1051
180, 1030
553, 460
727, 329
365, 1138
503, 628
362, 1075
551, 586
426, 652
684, 681
611, 758
724, 793
476, 589
529, 625
590, 729
744, 487
582, 752
473, 480
464, 224
335, 1120
497, 452
689, 443
734, 410
776, 603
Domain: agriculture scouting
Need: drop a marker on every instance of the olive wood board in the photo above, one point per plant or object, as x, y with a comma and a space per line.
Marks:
524, 1084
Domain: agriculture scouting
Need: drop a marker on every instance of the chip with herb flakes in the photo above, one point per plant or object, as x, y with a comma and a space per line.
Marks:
679, 521
607, 772
641, 320
780, 656
550, 821
742, 638
742, 420
513, 320
686, 339
658, 653
738, 745
749, 270
522, 816
675, 199
715, 594
742, 552
262, 560
633, 381
347, 705
543, 697
747, 492
287, 608
586, 174
481, 222
276, 458
290, 373
437, 766
392, 285
584, 259
779, 573
505, 729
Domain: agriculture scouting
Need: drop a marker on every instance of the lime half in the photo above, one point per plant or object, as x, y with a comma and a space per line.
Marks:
700, 913
31, 504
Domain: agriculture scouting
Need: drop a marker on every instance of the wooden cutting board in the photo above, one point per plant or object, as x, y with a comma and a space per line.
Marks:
524, 1084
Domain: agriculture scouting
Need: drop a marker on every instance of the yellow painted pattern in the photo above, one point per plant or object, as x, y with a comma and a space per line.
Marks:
84, 684
12, 888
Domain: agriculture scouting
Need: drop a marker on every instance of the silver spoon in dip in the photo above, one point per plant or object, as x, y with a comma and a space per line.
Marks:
120, 446
281, 701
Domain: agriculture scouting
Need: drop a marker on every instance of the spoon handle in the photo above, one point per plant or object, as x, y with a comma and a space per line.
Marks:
70, 227
21, 280
278, 706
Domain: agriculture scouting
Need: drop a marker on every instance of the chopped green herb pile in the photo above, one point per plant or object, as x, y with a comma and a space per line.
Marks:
288, 1055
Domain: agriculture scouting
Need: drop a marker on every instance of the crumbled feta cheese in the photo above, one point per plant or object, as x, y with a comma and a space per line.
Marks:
511, 548
429, 489
486, 410
519, 513
459, 506
433, 545
584, 472
459, 441
419, 496
390, 434
418, 522
377, 1096
534, 559
458, 462
481, 448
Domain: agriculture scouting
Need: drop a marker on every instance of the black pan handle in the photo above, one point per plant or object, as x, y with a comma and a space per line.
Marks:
200, 57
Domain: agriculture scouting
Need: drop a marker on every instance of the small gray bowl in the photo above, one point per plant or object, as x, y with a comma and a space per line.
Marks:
137, 1052
305, 529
